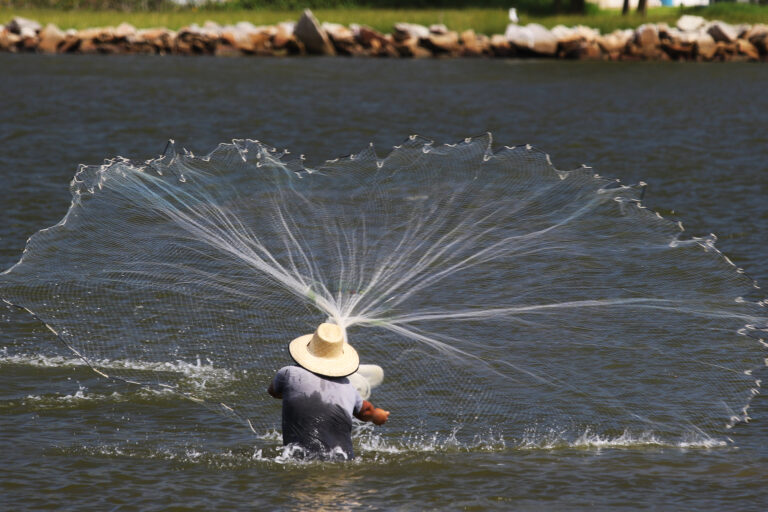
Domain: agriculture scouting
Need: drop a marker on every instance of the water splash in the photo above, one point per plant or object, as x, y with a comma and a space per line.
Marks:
497, 291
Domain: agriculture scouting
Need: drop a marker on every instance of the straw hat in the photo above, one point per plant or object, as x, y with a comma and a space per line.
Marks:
325, 352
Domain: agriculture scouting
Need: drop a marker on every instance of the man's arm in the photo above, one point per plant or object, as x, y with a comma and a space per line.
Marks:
368, 412
275, 394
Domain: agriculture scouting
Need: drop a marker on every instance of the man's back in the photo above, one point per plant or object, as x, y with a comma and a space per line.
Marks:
317, 411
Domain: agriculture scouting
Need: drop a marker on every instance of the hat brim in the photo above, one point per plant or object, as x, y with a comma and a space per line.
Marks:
342, 366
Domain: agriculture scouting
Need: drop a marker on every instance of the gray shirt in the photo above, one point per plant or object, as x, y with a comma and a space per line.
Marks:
317, 411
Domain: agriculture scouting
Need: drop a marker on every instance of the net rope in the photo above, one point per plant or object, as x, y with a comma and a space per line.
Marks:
498, 293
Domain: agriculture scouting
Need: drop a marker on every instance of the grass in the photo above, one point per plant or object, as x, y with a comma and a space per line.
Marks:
487, 21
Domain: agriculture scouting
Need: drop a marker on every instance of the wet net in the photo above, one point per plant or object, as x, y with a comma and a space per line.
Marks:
499, 294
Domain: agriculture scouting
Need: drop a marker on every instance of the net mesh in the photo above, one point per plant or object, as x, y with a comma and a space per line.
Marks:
498, 293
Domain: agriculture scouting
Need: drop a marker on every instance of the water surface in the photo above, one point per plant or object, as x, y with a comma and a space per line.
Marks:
693, 132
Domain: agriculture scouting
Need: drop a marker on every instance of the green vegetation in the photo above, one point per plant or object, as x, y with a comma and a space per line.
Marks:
487, 20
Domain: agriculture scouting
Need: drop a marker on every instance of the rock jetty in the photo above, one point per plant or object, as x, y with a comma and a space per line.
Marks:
692, 38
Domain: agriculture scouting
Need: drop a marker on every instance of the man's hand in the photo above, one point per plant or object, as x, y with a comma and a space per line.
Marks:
380, 416
370, 413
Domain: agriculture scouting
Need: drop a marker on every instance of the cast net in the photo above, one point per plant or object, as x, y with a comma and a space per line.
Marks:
499, 294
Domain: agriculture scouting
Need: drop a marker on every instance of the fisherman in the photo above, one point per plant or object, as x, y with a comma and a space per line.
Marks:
318, 398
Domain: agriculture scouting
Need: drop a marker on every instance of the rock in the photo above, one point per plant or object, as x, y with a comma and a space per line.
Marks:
223, 48
404, 31
125, 31
647, 35
579, 31
742, 29
311, 34
441, 44
247, 27
212, 28
196, 40
748, 49
706, 48
371, 42
688, 23
677, 44
233, 42
8, 40
284, 42
438, 29
473, 45
27, 33
71, 41
343, 38
415, 50
533, 37
615, 43
365, 35
283, 39
338, 33
647, 41
50, 39
758, 36
161, 39
261, 41
721, 31
757, 30
18, 24
729, 51
410, 48
501, 47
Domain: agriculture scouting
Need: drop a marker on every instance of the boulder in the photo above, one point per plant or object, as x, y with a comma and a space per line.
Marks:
410, 48
223, 48
161, 39
438, 29
615, 43
706, 48
442, 44
50, 39
721, 31
338, 33
261, 41
758, 36
677, 44
501, 47
742, 29
234, 41
371, 42
125, 31
247, 27
71, 41
28, 33
196, 40
212, 28
18, 24
688, 23
729, 52
404, 31
532, 37
365, 35
8, 40
284, 42
748, 49
647, 41
343, 38
312, 35
474, 45
387, 48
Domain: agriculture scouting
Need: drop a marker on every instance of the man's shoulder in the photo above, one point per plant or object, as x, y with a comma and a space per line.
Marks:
293, 370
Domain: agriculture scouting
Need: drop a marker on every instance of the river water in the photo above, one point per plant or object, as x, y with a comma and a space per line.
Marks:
71, 440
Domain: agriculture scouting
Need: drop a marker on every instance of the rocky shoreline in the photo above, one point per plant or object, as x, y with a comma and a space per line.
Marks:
692, 39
